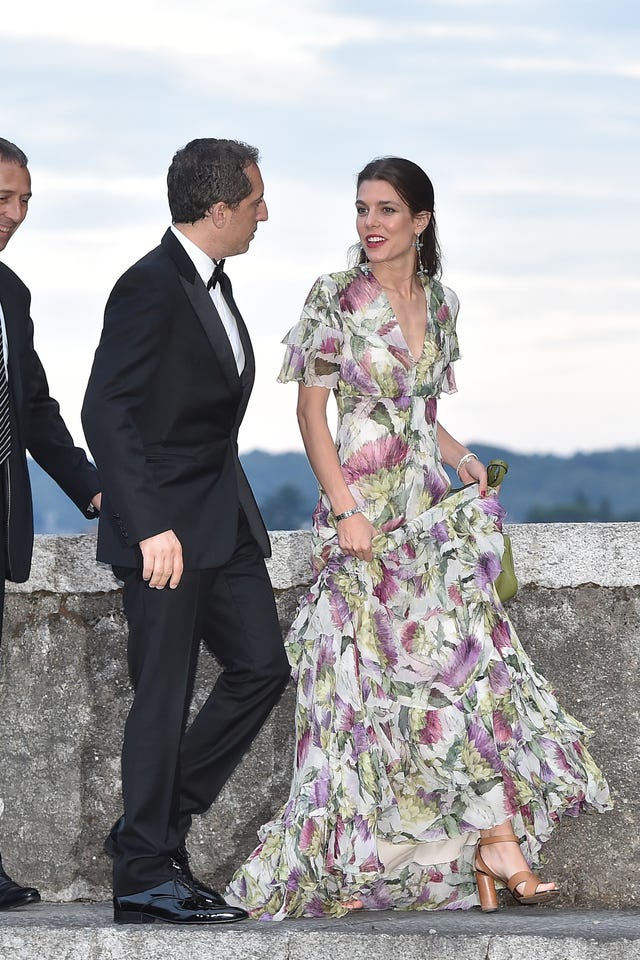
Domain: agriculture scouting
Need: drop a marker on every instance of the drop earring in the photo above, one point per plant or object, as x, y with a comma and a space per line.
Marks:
364, 266
417, 243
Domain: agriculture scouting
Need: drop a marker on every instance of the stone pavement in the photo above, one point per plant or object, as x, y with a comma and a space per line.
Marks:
83, 931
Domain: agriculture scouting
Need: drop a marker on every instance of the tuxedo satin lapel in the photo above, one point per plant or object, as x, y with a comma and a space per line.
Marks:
214, 329
10, 310
204, 308
247, 346
247, 387
9, 301
248, 374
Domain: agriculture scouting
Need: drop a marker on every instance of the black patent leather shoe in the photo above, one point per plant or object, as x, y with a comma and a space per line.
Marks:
12, 894
180, 863
173, 901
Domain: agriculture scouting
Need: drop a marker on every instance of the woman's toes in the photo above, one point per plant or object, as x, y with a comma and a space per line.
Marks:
353, 904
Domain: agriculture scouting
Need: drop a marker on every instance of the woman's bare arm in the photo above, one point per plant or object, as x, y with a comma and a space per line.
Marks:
355, 533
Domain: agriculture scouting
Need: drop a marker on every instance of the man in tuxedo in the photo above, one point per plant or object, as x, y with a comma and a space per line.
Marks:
168, 390
29, 420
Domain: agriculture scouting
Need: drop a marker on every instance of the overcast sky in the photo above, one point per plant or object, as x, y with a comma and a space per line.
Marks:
525, 113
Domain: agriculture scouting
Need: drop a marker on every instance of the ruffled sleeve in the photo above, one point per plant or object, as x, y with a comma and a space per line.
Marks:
314, 345
446, 316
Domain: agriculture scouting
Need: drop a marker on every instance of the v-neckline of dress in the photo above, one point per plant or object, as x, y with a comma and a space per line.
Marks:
414, 360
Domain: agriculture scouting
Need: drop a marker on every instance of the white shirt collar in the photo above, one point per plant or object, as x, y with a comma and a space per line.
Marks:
201, 260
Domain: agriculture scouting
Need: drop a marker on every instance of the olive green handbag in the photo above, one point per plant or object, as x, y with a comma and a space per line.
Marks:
506, 583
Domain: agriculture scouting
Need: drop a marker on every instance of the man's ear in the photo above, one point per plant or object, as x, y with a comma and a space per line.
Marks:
219, 214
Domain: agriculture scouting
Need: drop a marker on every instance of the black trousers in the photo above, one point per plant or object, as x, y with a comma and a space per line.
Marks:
169, 772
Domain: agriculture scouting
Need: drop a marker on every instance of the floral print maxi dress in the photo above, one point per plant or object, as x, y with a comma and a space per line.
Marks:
420, 719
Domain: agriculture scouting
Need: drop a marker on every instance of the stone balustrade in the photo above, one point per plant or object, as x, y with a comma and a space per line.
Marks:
64, 696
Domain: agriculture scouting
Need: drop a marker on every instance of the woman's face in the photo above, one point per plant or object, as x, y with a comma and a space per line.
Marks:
386, 227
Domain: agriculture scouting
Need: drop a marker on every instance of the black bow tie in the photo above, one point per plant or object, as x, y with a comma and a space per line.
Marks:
215, 276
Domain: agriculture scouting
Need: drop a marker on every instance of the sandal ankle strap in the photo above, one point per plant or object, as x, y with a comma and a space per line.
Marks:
484, 841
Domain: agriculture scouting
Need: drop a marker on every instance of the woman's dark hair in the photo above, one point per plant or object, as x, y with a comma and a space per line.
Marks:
12, 154
205, 172
414, 186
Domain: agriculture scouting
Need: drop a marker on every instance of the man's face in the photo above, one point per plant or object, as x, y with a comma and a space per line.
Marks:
244, 219
15, 193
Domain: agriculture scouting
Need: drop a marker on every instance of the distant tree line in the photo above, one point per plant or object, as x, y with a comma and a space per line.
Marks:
580, 510
597, 487
286, 509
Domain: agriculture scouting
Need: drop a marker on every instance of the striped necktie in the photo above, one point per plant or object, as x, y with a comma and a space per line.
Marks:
5, 428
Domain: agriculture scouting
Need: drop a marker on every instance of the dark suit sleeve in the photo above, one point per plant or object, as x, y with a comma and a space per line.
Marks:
47, 439
137, 317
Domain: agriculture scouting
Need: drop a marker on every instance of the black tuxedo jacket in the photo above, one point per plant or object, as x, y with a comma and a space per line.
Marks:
161, 415
36, 426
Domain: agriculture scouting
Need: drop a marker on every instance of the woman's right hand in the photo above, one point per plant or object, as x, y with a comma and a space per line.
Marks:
355, 535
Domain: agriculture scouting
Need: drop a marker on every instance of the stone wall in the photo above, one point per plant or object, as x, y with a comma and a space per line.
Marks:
64, 695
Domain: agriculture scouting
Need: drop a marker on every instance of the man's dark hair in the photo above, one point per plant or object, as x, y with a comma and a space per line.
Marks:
205, 172
9, 152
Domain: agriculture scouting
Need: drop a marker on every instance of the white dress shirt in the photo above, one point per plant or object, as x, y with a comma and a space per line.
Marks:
204, 266
5, 343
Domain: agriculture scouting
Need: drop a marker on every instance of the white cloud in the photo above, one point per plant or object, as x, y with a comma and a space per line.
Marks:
581, 188
591, 66
481, 4
57, 183
503, 106
247, 49
192, 27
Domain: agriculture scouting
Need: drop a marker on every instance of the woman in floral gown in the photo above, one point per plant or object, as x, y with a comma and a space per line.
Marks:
421, 723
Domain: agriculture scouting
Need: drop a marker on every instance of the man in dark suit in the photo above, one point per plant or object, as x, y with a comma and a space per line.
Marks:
29, 420
167, 393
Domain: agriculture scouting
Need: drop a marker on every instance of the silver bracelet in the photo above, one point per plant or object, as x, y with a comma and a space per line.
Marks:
463, 460
347, 513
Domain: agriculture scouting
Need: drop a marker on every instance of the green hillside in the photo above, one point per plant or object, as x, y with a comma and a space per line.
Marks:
599, 486
594, 487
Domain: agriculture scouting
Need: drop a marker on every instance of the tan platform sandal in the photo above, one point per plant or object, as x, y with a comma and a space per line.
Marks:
486, 880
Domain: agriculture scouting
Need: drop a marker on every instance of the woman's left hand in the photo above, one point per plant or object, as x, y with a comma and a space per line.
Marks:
475, 471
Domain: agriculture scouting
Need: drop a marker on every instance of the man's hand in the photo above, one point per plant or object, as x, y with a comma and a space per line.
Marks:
96, 501
162, 560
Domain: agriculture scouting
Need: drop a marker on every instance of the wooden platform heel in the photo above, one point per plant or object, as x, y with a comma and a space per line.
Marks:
486, 880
